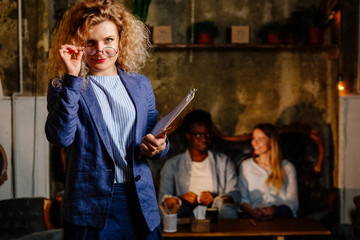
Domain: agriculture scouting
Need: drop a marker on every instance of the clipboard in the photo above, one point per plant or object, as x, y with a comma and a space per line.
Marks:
162, 126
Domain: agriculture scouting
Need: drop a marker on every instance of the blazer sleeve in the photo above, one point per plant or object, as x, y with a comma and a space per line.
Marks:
63, 106
152, 119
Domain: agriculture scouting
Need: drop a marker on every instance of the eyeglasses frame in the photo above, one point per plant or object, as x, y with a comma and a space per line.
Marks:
96, 51
199, 136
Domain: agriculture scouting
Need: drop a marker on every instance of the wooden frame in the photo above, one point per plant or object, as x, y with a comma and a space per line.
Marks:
314, 134
3, 175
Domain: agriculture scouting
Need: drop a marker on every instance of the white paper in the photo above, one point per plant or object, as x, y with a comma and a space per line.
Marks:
165, 122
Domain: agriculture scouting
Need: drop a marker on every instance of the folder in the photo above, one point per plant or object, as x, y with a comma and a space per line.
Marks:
162, 126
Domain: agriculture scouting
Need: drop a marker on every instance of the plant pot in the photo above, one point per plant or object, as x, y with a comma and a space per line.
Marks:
315, 35
273, 38
205, 38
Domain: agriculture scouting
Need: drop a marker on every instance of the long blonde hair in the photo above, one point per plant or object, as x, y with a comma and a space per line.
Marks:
134, 42
276, 177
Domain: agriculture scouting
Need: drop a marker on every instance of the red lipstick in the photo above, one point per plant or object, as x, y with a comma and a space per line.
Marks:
99, 60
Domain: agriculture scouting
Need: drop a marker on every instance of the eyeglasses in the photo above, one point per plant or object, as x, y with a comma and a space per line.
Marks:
198, 135
106, 51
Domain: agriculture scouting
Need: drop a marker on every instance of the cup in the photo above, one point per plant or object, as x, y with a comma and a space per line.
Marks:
170, 223
212, 214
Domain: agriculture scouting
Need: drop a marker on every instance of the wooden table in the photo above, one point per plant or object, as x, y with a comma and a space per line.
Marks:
277, 228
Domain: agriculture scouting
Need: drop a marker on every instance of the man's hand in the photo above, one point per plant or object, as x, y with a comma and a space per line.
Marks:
189, 197
206, 198
151, 145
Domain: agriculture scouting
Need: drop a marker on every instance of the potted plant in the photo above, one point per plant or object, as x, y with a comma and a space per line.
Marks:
272, 32
315, 20
140, 8
205, 31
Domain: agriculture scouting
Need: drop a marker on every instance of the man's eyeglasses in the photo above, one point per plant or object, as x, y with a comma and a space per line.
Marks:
201, 135
106, 51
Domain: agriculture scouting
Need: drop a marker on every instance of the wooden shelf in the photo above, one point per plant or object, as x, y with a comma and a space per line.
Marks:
251, 46
332, 51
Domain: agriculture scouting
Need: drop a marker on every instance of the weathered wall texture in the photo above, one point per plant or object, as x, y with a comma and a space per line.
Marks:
243, 87
8, 45
35, 46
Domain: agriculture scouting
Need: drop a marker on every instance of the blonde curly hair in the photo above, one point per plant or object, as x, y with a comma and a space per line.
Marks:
134, 41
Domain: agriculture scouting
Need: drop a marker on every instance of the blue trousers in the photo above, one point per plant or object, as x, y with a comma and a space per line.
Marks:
125, 220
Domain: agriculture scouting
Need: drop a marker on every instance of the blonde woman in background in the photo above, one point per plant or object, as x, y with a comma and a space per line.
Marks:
267, 182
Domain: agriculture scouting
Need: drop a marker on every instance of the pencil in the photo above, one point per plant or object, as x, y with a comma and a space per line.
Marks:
252, 221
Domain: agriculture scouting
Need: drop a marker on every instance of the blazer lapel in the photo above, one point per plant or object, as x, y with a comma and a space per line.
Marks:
96, 114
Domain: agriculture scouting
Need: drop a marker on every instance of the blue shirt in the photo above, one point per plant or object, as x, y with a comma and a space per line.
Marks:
175, 175
119, 116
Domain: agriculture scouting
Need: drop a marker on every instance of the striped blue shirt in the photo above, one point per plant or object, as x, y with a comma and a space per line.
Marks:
119, 115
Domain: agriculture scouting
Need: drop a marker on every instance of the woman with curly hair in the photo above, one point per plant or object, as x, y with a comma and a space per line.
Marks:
267, 183
101, 111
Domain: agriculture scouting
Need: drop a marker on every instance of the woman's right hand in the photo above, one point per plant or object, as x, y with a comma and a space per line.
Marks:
71, 57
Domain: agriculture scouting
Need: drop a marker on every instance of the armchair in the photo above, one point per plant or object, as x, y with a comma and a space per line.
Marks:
27, 218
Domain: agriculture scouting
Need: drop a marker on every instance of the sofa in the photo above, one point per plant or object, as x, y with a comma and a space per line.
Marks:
302, 145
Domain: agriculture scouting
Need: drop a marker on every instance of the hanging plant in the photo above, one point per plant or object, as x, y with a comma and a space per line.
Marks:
140, 9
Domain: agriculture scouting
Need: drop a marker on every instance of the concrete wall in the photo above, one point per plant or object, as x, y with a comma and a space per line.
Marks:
243, 87
35, 46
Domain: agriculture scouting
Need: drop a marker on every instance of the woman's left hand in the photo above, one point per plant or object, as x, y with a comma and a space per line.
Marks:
151, 145
268, 212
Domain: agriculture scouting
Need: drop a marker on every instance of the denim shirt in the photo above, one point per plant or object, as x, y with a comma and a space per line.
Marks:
175, 175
